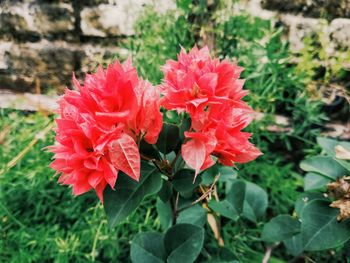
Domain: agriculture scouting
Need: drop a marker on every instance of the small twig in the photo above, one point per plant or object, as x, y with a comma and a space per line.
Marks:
203, 196
268, 253
174, 206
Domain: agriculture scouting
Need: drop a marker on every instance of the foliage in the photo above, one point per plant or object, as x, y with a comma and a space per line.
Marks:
321, 221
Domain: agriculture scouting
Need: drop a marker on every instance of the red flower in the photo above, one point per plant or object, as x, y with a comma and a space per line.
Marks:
99, 126
210, 91
196, 80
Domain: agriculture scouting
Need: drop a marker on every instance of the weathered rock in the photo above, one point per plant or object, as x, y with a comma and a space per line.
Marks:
328, 9
51, 64
54, 18
300, 27
30, 21
118, 18
340, 32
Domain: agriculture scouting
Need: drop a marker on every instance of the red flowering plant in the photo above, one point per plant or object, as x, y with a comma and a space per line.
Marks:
126, 139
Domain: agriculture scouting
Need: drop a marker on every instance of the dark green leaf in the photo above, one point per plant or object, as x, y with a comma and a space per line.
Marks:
195, 215
183, 243
315, 181
128, 193
166, 191
324, 165
164, 213
255, 203
345, 164
168, 138
183, 181
232, 206
149, 150
320, 229
208, 175
306, 198
148, 248
294, 245
280, 228
227, 173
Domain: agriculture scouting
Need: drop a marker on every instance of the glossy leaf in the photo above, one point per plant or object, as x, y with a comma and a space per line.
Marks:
168, 138
255, 203
164, 213
148, 248
315, 181
166, 191
294, 245
324, 165
280, 228
345, 164
183, 181
128, 193
183, 243
320, 229
195, 215
232, 206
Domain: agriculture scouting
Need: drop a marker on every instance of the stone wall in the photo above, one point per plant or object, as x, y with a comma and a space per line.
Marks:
305, 18
42, 42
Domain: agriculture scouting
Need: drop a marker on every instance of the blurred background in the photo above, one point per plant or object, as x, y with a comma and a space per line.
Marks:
296, 55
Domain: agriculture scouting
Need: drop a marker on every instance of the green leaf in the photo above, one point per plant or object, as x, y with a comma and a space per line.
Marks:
227, 174
183, 181
149, 150
320, 229
255, 203
345, 164
324, 165
195, 215
232, 206
294, 245
166, 191
183, 243
165, 213
128, 193
168, 138
148, 248
224, 208
306, 198
280, 228
315, 181
208, 175
328, 145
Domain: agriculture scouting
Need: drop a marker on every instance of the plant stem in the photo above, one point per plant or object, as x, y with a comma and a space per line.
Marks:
174, 206
203, 196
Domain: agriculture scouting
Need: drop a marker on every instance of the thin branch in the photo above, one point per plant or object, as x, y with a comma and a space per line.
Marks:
268, 253
203, 196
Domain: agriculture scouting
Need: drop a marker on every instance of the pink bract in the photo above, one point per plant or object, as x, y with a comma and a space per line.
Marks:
100, 125
210, 91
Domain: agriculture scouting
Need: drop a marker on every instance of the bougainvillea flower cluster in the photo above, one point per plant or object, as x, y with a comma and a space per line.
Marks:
210, 91
99, 127
102, 122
